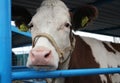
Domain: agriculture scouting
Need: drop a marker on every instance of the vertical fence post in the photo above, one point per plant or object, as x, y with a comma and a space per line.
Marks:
5, 41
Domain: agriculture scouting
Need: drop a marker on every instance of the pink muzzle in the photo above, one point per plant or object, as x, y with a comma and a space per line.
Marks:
40, 56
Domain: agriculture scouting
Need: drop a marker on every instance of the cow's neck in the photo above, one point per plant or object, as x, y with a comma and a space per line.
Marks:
68, 53
65, 64
61, 80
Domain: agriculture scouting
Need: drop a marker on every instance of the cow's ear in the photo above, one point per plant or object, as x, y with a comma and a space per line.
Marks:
83, 15
22, 17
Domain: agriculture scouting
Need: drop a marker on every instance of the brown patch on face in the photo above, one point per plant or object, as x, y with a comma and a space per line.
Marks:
108, 48
116, 46
82, 57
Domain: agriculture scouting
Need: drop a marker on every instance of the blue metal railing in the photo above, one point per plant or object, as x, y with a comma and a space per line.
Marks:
14, 29
32, 74
5, 41
6, 73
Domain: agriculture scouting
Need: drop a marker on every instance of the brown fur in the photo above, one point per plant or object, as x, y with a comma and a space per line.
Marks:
116, 46
82, 57
88, 10
108, 48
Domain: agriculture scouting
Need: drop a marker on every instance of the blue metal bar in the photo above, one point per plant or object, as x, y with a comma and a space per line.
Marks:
62, 73
14, 29
5, 41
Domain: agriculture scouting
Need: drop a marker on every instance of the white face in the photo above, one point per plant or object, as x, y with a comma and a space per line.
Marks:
52, 18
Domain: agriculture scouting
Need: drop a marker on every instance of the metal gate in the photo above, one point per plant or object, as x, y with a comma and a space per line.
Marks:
7, 74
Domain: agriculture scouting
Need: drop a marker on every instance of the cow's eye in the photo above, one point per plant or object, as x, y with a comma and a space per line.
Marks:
67, 25
30, 26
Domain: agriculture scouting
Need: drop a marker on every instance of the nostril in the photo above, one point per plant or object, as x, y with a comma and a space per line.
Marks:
47, 55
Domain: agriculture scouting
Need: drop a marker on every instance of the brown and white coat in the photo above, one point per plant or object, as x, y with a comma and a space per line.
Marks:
55, 43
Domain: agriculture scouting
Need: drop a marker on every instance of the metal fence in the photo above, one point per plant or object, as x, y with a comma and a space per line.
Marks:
7, 73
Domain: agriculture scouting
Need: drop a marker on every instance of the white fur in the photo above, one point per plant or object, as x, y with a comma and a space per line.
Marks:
104, 57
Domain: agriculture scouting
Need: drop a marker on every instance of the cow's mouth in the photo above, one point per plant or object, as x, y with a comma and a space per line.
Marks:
43, 67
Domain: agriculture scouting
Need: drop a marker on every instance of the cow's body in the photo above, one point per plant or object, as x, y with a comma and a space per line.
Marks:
92, 53
56, 47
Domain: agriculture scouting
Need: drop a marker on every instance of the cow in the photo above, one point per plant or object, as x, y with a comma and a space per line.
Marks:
56, 47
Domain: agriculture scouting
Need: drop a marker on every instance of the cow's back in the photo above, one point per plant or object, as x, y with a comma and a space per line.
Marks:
92, 53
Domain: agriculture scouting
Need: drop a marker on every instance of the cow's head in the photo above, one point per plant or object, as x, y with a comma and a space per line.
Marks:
51, 33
